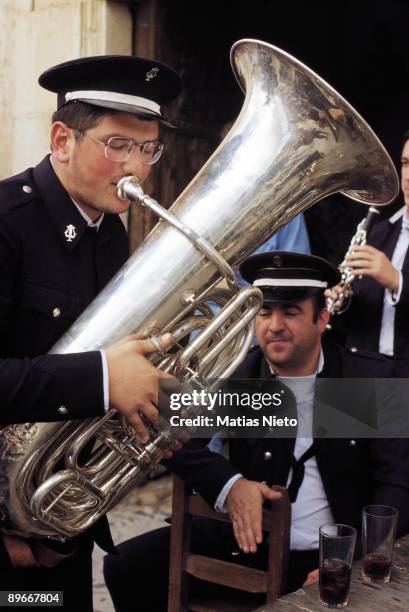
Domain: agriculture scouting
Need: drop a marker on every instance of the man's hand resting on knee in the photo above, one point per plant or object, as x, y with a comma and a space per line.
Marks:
245, 505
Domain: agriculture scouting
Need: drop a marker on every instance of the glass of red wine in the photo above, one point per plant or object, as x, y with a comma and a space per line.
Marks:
337, 546
378, 539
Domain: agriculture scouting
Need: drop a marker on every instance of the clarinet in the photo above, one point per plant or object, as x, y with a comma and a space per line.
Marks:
339, 306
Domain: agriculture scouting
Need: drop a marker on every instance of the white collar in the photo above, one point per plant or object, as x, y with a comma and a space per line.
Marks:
398, 215
88, 219
319, 369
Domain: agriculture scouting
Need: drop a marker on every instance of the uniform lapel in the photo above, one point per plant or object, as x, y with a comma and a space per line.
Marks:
266, 459
332, 369
67, 221
385, 234
281, 449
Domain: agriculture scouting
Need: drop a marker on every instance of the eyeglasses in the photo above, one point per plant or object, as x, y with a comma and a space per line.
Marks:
120, 149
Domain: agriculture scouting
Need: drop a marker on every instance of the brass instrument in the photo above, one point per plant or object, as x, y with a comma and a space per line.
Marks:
295, 141
341, 303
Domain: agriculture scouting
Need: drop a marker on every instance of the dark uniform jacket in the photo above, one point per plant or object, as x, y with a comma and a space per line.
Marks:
364, 317
46, 281
51, 268
354, 472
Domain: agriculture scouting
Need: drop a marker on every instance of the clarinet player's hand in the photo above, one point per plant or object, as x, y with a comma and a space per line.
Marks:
368, 261
333, 293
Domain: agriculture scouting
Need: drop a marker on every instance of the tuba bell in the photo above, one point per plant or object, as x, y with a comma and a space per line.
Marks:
295, 141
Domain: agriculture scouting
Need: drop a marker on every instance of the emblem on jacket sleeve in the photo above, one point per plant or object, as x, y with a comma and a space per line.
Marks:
70, 233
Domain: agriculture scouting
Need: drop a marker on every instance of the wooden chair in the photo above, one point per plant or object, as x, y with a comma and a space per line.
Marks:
184, 563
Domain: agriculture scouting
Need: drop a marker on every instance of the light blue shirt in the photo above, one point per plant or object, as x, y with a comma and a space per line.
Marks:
292, 237
387, 333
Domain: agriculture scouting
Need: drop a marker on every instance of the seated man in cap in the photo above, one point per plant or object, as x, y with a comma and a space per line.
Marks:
329, 480
61, 241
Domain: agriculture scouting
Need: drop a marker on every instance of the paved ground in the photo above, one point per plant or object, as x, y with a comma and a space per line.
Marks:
143, 509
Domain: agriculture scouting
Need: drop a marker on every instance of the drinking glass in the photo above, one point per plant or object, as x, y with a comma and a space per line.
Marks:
337, 546
378, 539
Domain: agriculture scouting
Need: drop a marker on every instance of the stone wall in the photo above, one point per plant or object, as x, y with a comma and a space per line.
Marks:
37, 34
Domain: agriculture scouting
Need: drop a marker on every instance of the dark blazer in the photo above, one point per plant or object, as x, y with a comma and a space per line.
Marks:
363, 318
46, 281
48, 275
354, 472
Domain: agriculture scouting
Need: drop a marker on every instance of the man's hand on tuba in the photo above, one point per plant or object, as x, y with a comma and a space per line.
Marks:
134, 381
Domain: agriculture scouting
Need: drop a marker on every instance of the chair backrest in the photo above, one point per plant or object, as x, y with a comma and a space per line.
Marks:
184, 563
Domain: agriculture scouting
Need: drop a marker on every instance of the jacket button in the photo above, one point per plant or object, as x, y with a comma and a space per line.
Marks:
62, 410
267, 456
56, 312
353, 349
27, 189
352, 443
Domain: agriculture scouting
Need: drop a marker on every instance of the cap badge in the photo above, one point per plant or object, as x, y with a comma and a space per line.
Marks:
151, 74
277, 261
70, 233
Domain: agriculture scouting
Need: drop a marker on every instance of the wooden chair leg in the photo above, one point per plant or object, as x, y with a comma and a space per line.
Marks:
279, 546
184, 563
179, 543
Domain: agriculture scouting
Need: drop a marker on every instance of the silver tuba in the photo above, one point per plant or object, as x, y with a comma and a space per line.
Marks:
295, 141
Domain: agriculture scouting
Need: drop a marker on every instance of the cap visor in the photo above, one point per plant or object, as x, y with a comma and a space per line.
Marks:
129, 108
276, 295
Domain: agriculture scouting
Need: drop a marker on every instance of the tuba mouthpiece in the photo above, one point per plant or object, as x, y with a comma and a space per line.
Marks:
128, 188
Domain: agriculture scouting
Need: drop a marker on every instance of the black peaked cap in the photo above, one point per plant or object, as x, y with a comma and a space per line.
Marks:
121, 82
285, 276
